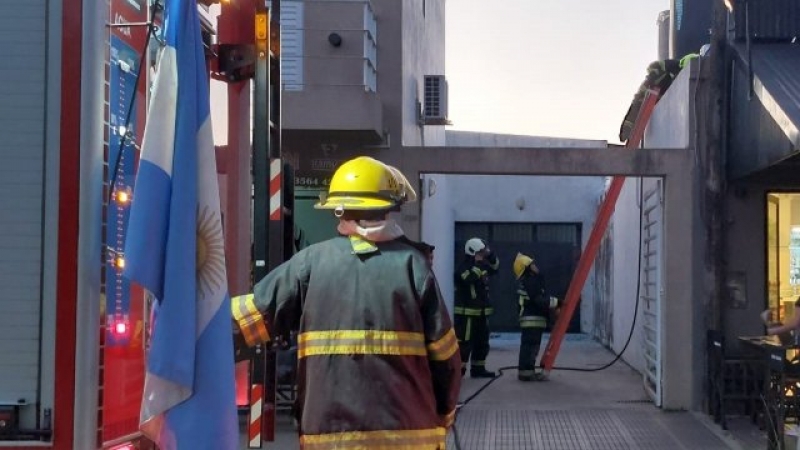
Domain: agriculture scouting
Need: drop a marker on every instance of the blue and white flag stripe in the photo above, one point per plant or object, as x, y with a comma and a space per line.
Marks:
174, 249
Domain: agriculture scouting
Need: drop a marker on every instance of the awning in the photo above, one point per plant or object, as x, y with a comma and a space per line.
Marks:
776, 83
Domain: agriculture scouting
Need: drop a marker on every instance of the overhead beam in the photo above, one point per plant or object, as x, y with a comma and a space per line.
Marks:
544, 161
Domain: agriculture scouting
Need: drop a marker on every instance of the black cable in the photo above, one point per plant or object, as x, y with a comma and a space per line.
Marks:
456, 439
151, 27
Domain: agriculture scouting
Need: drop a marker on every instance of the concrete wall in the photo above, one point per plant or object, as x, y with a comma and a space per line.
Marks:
683, 305
745, 250
333, 94
482, 139
423, 54
438, 227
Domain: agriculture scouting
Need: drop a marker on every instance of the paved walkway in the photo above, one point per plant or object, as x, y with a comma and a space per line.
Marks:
605, 410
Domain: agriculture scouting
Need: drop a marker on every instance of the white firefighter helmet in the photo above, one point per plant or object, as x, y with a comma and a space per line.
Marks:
473, 246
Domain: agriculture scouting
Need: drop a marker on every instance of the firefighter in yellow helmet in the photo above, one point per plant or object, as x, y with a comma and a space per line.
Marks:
534, 309
378, 361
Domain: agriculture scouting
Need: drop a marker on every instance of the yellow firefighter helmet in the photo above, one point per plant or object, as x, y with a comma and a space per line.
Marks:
366, 184
521, 264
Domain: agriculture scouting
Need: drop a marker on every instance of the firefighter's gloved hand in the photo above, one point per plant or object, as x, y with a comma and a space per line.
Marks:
241, 351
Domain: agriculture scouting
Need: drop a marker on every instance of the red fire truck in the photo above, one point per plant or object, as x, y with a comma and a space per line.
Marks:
73, 334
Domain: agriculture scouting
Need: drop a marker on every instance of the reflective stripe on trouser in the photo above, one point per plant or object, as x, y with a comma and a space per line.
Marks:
532, 322
473, 337
474, 312
433, 438
530, 342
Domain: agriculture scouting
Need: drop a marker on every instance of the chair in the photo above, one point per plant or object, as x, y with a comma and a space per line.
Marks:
286, 367
732, 380
782, 400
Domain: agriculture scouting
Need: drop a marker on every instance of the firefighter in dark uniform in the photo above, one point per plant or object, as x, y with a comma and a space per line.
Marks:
378, 361
535, 307
660, 75
472, 307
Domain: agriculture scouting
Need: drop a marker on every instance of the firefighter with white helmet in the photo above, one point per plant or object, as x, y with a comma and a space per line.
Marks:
472, 307
534, 310
378, 360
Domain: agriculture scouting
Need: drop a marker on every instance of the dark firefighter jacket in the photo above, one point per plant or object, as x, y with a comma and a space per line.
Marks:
472, 286
660, 75
534, 303
378, 360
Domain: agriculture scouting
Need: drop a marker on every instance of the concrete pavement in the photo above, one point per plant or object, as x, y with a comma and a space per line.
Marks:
605, 410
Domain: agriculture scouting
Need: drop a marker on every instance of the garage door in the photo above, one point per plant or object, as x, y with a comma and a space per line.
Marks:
22, 82
556, 247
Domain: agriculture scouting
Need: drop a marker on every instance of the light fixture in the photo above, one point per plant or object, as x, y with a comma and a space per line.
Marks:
121, 130
431, 187
119, 262
335, 39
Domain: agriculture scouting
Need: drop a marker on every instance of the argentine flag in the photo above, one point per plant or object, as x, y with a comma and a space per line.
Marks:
174, 249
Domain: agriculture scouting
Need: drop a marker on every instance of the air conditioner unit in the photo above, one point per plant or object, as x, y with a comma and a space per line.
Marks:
435, 112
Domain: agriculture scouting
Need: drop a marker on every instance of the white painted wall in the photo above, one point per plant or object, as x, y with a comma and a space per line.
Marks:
438, 229
624, 233
423, 50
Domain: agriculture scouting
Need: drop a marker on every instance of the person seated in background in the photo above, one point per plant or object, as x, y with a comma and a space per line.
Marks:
784, 330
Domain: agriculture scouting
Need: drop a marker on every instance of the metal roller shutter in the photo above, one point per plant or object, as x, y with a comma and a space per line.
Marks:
22, 114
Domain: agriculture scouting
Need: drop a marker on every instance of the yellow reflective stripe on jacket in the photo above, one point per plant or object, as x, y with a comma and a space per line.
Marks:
250, 321
361, 245
444, 348
465, 274
376, 440
360, 342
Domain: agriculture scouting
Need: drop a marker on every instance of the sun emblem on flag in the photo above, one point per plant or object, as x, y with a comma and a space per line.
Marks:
210, 255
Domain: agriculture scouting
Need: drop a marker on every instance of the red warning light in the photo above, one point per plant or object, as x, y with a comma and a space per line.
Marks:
120, 327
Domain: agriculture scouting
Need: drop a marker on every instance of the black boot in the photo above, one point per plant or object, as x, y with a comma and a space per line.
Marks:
481, 372
525, 375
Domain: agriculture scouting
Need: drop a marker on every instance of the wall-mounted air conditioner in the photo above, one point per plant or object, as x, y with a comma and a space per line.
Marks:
435, 107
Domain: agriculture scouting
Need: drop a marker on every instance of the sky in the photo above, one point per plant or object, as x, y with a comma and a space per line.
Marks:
561, 68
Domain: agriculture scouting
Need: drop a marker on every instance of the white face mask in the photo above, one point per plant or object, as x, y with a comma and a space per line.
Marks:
371, 230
